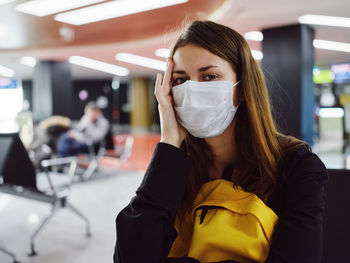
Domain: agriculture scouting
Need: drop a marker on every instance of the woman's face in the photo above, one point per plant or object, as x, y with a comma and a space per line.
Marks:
192, 62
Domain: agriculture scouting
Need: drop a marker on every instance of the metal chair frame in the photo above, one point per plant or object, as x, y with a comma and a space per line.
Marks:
56, 197
94, 163
10, 254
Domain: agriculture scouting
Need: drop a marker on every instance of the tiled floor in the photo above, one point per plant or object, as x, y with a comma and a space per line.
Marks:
101, 198
63, 240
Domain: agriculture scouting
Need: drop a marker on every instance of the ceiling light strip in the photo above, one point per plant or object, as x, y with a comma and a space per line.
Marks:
254, 35
162, 52
141, 61
28, 61
331, 45
112, 9
49, 7
325, 20
257, 55
99, 65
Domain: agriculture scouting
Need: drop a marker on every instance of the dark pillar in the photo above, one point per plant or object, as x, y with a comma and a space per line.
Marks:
52, 89
288, 63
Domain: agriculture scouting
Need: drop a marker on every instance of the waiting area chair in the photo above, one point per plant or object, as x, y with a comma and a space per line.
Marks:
337, 217
96, 151
105, 148
18, 177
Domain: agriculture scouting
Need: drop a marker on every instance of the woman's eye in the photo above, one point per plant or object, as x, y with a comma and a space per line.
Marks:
209, 77
178, 81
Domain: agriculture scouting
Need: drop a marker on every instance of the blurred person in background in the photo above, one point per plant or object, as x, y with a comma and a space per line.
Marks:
223, 184
91, 130
49, 130
46, 135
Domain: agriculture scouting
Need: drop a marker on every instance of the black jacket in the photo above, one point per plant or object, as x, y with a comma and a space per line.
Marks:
145, 231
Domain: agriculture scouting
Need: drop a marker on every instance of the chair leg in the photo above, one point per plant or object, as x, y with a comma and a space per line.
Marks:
82, 216
90, 170
56, 206
40, 227
10, 254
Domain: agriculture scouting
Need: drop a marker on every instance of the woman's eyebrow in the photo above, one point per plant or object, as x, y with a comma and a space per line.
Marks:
179, 72
202, 69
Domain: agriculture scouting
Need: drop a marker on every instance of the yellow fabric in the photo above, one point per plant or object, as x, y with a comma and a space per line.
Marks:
240, 230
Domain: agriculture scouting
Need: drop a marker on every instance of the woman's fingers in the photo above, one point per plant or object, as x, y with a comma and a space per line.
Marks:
158, 84
158, 87
171, 131
167, 77
162, 89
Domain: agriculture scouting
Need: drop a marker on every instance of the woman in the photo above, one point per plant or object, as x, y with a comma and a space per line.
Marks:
223, 185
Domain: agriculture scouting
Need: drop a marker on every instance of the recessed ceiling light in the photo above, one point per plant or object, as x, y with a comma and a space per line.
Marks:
49, 7
112, 9
141, 61
2, 2
258, 55
99, 65
6, 72
28, 61
325, 20
254, 35
162, 52
331, 45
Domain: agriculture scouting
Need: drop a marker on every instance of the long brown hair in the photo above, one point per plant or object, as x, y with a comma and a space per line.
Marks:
259, 146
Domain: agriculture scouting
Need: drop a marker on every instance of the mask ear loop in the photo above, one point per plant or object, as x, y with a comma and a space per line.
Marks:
234, 86
236, 107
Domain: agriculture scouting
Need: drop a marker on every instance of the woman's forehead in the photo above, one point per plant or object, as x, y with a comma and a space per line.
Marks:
192, 56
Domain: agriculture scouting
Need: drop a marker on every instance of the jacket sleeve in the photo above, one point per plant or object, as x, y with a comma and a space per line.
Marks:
144, 228
298, 235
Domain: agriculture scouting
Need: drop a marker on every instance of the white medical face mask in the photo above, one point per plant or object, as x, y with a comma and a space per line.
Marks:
204, 109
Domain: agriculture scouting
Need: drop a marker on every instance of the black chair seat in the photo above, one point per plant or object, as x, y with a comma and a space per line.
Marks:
19, 178
28, 193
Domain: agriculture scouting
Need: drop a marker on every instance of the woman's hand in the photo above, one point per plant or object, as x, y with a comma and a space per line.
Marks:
171, 131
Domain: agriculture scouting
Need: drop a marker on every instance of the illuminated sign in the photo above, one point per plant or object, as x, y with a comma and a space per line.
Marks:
341, 73
6, 83
322, 76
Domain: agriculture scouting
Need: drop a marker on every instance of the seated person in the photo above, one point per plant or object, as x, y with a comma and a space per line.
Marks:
92, 129
49, 130
46, 135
